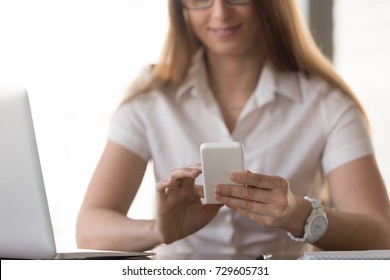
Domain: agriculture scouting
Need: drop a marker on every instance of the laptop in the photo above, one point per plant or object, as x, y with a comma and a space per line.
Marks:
26, 230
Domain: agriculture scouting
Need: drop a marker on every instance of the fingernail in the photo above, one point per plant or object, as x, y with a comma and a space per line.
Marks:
191, 172
218, 198
235, 177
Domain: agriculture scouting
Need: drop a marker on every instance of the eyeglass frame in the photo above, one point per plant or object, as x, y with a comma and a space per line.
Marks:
211, 2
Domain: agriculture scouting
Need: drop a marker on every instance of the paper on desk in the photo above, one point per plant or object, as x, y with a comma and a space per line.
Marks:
347, 255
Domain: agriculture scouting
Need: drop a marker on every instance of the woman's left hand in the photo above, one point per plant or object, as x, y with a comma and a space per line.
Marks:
267, 200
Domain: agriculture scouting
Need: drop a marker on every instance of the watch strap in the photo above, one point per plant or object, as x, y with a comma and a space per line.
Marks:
317, 208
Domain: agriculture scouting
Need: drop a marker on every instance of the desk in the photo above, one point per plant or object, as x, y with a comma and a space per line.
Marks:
197, 256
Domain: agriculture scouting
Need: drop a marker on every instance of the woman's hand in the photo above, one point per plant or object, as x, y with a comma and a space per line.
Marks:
180, 211
267, 200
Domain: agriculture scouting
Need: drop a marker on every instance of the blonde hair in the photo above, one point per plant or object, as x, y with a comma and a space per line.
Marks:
289, 45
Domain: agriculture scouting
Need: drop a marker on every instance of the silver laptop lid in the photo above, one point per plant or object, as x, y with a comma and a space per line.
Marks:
25, 226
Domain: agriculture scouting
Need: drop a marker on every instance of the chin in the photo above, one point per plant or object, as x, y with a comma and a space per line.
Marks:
227, 51
227, 48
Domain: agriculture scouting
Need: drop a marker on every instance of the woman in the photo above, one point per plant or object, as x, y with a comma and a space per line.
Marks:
246, 71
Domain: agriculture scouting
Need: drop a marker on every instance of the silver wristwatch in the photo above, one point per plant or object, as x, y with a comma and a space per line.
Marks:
316, 224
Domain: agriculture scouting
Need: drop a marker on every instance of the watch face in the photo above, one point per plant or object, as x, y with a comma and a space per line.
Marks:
319, 226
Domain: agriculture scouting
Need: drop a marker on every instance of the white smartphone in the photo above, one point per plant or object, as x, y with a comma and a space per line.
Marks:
218, 161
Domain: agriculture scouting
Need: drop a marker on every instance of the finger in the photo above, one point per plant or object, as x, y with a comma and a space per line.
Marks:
199, 190
164, 186
187, 172
251, 209
196, 166
243, 192
161, 188
175, 184
258, 180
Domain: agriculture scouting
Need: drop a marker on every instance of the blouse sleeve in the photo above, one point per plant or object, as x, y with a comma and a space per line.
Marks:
347, 136
128, 130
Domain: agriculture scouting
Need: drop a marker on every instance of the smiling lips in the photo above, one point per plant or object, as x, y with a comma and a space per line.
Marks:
224, 32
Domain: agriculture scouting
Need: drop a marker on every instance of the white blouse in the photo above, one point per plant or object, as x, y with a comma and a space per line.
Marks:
293, 126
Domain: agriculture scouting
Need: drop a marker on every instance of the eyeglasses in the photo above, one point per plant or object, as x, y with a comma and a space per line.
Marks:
204, 4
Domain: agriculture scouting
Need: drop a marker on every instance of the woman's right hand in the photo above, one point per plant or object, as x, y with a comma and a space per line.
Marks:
180, 211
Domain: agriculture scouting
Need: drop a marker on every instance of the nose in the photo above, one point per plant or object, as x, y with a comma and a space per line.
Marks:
221, 9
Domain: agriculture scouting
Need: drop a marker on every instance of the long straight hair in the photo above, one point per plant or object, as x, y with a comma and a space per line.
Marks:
289, 46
